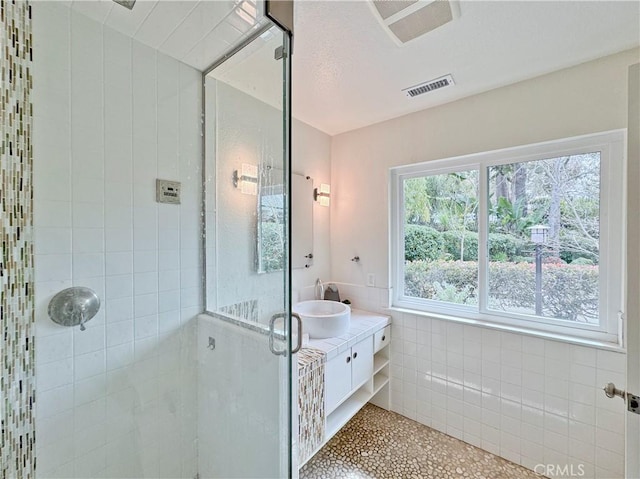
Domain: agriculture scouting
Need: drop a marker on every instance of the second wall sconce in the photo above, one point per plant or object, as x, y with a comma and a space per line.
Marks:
322, 195
246, 179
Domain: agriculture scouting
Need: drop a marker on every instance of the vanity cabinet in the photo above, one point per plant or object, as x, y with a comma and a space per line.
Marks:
356, 372
347, 372
355, 377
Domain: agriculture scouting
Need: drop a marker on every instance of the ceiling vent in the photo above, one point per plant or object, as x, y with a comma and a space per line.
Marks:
406, 20
431, 85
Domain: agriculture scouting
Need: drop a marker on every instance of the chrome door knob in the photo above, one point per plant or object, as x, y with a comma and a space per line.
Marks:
612, 391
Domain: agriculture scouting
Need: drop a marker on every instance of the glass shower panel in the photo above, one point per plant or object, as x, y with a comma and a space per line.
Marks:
244, 360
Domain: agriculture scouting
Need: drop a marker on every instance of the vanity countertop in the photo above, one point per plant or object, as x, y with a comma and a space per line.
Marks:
363, 324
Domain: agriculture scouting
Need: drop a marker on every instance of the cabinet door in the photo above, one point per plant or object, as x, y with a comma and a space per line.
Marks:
337, 380
361, 362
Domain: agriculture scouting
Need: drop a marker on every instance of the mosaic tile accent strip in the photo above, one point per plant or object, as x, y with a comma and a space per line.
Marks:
17, 359
310, 401
379, 444
246, 310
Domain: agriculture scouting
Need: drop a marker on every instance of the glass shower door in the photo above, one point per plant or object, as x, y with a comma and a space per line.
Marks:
244, 340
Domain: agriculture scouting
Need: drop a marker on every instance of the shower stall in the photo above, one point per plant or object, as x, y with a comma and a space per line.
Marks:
161, 180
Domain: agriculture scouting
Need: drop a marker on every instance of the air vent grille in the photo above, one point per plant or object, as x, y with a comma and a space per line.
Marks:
431, 85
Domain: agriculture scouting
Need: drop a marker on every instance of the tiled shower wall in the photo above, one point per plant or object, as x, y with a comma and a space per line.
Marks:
111, 116
17, 429
534, 401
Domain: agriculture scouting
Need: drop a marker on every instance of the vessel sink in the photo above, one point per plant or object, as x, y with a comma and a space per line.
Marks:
323, 319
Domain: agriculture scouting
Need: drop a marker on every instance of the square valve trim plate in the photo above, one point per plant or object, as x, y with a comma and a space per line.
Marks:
168, 191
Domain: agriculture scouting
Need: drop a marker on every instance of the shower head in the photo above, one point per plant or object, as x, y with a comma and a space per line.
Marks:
126, 3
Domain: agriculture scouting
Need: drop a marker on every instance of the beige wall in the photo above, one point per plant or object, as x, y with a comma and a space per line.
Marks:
588, 98
534, 401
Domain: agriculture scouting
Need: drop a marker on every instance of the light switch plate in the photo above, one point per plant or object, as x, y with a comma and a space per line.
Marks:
168, 191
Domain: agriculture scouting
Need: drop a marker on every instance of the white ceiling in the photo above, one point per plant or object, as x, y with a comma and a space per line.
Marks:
347, 71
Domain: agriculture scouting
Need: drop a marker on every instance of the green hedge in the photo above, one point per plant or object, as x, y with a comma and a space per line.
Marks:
569, 291
426, 243
422, 243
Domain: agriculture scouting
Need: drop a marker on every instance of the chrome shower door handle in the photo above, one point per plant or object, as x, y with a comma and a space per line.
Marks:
299, 342
272, 322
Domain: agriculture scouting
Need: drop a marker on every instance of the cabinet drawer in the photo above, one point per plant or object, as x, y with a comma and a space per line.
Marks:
381, 339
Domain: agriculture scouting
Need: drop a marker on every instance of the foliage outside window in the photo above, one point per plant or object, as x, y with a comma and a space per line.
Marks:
462, 242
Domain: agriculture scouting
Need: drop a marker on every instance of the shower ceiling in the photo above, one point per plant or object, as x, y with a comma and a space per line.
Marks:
347, 71
196, 32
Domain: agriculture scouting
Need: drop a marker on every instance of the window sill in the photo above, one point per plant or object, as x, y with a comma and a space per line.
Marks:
590, 343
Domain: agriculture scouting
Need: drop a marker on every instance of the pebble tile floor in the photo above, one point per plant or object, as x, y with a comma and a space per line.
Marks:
379, 444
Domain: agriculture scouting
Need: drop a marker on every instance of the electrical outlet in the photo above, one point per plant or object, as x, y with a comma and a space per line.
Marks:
371, 279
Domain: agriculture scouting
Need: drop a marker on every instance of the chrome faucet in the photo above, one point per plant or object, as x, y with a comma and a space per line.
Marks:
319, 290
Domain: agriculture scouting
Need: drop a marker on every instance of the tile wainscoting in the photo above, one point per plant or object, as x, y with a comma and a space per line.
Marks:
530, 400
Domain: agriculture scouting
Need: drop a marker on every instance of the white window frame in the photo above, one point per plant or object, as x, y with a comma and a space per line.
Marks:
611, 146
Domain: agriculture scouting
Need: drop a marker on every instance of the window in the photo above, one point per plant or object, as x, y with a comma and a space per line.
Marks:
528, 237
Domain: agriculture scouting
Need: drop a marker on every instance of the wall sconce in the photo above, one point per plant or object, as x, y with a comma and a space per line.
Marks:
246, 179
322, 195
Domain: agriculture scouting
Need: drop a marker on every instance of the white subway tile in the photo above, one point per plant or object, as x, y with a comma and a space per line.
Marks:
533, 346
557, 368
556, 405
56, 454
120, 356
511, 392
88, 215
88, 265
582, 374
145, 261
533, 398
55, 241
610, 421
120, 286
118, 240
583, 432
90, 389
582, 394
118, 218
119, 309
583, 355
610, 461
557, 387
557, 424
145, 326
558, 443
52, 267
472, 380
473, 349
582, 412
119, 263
90, 364
54, 374
610, 441
54, 347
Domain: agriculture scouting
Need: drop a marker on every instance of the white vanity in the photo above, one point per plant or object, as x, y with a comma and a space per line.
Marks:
356, 371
